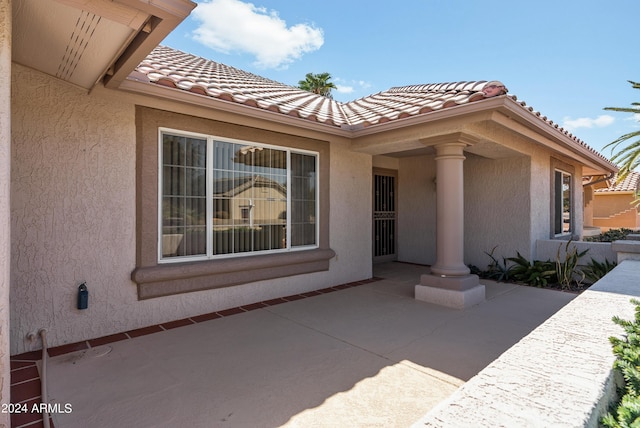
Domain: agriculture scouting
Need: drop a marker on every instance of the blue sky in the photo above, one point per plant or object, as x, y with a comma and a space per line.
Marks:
567, 59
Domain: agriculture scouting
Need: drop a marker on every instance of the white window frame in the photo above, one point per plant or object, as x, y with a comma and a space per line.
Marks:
209, 197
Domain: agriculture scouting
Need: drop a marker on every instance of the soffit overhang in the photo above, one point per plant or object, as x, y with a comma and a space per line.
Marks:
85, 42
410, 136
515, 117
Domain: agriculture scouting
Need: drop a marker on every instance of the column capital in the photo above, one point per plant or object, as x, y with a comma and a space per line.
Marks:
454, 138
450, 150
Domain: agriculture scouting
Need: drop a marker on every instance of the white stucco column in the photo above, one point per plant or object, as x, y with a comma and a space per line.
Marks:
5, 212
449, 283
450, 210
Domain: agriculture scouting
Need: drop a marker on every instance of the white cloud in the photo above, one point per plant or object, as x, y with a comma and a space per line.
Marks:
349, 87
230, 26
587, 122
634, 117
345, 89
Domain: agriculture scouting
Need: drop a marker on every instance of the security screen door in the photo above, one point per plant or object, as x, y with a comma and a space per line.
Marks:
384, 215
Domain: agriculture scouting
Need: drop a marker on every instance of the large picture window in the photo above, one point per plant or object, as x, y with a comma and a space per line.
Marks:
221, 197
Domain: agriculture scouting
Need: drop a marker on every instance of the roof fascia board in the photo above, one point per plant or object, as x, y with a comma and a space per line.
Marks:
179, 95
614, 192
162, 8
437, 115
522, 115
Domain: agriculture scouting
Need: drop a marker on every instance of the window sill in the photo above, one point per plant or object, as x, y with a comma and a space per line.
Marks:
565, 237
177, 278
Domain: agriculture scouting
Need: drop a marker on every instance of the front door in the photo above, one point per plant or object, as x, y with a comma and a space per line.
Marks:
384, 215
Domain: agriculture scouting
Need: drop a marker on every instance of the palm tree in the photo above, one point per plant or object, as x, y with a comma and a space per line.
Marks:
628, 158
318, 84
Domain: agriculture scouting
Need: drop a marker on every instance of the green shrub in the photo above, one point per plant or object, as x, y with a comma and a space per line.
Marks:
595, 270
566, 270
626, 412
537, 273
610, 235
561, 273
496, 270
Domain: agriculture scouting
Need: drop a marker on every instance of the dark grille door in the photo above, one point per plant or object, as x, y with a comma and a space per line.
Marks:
384, 216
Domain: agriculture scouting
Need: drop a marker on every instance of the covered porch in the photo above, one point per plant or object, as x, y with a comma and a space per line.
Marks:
360, 354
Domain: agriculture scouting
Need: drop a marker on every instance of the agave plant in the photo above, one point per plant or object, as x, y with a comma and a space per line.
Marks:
537, 273
497, 270
566, 270
595, 270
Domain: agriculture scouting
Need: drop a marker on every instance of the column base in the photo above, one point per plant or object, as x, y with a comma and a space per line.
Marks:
457, 292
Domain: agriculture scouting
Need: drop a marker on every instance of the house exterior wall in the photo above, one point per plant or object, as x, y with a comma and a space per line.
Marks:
588, 197
507, 206
417, 210
491, 186
73, 218
497, 208
540, 191
5, 213
609, 204
614, 211
386, 162
542, 163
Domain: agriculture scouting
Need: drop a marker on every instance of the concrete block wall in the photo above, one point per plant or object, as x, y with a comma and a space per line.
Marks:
547, 249
560, 375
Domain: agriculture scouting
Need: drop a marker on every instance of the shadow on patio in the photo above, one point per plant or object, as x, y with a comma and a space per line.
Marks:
366, 356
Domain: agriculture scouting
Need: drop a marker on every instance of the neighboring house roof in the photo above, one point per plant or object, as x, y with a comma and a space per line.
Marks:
629, 184
172, 68
232, 186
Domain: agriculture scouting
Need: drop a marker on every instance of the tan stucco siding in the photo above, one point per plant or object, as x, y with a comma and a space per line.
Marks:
615, 210
542, 163
386, 162
417, 210
497, 207
608, 204
5, 196
73, 218
351, 218
540, 194
73, 213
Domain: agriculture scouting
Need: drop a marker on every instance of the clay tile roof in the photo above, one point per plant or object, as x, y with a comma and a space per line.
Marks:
187, 72
169, 67
629, 184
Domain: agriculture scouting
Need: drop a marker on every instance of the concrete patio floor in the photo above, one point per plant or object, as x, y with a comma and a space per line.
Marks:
367, 356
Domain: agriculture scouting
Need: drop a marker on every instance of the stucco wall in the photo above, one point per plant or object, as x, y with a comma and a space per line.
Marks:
507, 204
540, 190
608, 204
386, 162
5, 216
497, 205
417, 210
73, 219
351, 219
